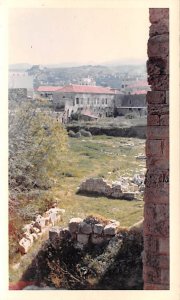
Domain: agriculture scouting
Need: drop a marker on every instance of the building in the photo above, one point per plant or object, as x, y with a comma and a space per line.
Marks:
78, 99
47, 91
21, 80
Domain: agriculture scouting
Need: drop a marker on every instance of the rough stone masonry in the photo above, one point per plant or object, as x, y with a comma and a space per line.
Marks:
156, 197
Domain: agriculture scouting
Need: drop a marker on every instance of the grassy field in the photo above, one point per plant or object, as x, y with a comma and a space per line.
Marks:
99, 156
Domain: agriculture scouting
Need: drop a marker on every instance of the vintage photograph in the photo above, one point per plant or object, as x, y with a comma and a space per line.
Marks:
88, 161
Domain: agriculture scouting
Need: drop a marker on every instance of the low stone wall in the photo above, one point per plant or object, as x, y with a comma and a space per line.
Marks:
123, 189
84, 232
35, 229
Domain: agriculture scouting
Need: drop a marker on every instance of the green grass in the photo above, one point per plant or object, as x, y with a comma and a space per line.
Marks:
100, 156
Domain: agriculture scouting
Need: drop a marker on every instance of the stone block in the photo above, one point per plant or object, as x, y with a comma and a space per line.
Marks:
154, 148
150, 286
159, 163
157, 179
64, 234
128, 196
157, 15
164, 246
74, 224
153, 120
156, 97
159, 28
152, 195
158, 66
54, 233
152, 275
158, 46
159, 229
157, 132
96, 239
165, 276
29, 237
35, 230
24, 245
151, 244
164, 120
35, 236
159, 82
85, 228
83, 238
158, 109
110, 229
98, 229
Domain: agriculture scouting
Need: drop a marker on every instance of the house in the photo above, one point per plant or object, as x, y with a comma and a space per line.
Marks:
47, 91
21, 80
74, 99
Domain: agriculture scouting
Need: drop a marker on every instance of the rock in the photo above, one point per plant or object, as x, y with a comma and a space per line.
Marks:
82, 238
85, 133
117, 223
54, 233
128, 196
140, 156
110, 229
28, 237
24, 245
65, 234
71, 133
98, 229
74, 224
137, 227
77, 135
35, 236
39, 222
85, 228
96, 239
35, 230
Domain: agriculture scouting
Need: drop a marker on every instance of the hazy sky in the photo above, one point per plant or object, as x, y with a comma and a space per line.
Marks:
80, 35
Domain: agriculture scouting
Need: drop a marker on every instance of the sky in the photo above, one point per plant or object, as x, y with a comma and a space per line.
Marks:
78, 35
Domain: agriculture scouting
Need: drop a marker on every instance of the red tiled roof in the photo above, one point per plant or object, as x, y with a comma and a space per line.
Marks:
88, 89
139, 92
48, 88
139, 83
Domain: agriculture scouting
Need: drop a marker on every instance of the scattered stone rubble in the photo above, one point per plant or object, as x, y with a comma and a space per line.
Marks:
84, 232
125, 188
32, 231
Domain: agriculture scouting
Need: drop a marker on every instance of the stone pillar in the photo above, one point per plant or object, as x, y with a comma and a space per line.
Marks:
156, 211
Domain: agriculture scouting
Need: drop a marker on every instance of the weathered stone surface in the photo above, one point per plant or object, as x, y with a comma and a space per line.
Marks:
39, 222
158, 109
83, 238
85, 228
158, 66
154, 148
29, 237
74, 224
159, 28
159, 82
158, 179
157, 132
54, 233
137, 227
157, 15
96, 239
35, 230
65, 234
156, 97
153, 120
98, 229
110, 229
158, 46
35, 236
24, 245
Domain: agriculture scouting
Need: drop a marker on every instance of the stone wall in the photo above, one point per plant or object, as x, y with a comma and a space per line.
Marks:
124, 188
84, 232
156, 211
32, 231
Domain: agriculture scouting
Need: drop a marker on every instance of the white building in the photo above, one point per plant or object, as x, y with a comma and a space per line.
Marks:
18, 80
